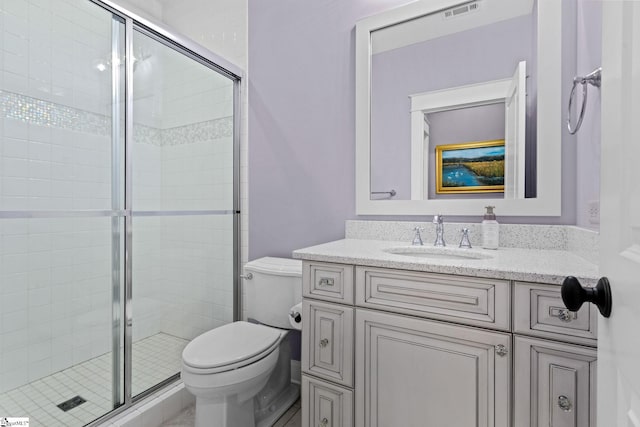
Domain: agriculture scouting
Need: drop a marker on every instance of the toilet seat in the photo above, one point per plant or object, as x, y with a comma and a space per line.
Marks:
244, 343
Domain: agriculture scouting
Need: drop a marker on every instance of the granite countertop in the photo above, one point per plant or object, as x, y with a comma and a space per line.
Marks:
530, 265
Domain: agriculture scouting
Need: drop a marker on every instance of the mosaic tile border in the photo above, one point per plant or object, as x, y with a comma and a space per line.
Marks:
147, 135
44, 113
198, 132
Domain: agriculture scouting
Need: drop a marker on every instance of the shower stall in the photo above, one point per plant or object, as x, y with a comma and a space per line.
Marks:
119, 207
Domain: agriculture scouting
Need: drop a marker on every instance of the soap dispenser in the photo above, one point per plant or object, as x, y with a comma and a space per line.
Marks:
490, 229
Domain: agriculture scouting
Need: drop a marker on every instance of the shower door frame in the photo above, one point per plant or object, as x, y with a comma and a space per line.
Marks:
158, 32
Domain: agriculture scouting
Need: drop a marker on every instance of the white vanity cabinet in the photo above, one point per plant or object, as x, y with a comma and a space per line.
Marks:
327, 345
554, 359
388, 347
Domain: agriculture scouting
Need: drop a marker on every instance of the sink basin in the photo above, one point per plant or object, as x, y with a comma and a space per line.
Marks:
432, 252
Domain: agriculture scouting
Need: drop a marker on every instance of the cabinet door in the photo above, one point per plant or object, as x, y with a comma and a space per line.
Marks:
327, 341
555, 384
325, 404
414, 373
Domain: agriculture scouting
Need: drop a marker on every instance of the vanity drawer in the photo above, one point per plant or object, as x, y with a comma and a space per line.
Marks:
468, 300
539, 310
329, 282
327, 341
325, 404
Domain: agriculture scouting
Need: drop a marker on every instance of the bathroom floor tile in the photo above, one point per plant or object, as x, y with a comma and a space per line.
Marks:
154, 359
291, 418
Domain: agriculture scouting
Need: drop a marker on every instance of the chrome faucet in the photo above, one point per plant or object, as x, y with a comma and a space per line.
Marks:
438, 220
417, 239
464, 241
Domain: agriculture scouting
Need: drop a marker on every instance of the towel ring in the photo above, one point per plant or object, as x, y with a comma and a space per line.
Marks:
593, 78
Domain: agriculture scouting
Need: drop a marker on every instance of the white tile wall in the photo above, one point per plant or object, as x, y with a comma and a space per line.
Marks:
56, 61
186, 275
220, 26
55, 284
198, 175
45, 168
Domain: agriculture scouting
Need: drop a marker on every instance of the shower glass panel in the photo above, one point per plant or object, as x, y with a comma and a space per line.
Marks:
60, 263
118, 207
182, 168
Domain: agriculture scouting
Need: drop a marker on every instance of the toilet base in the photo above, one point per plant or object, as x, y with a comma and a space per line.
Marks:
217, 413
279, 393
268, 416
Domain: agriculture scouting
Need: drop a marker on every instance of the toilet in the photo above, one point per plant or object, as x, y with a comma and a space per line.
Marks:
240, 373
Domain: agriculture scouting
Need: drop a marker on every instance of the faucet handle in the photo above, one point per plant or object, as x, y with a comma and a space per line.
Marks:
464, 241
417, 238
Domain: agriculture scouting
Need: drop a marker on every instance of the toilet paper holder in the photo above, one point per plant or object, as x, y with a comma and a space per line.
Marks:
295, 315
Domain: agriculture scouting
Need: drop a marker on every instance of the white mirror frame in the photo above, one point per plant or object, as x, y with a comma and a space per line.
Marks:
549, 121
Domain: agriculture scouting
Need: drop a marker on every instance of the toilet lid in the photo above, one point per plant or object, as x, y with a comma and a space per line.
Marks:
229, 344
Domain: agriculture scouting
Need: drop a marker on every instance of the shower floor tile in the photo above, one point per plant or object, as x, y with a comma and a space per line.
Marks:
154, 359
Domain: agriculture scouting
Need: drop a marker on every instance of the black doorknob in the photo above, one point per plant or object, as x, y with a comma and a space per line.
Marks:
574, 295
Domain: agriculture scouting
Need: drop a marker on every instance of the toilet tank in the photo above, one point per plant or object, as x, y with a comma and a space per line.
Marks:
275, 286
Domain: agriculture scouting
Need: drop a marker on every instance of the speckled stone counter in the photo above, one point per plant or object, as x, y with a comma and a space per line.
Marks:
519, 264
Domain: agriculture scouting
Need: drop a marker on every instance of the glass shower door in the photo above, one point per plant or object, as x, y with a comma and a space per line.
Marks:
60, 246
118, 220
182, 206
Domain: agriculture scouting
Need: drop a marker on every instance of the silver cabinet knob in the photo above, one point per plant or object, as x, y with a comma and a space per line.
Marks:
501, 350
563, 314
565, 403
326, 281
324, 422
324, 342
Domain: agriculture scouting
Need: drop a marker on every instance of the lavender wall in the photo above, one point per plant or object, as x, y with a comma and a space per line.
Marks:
301, 124
589, 57
301, 121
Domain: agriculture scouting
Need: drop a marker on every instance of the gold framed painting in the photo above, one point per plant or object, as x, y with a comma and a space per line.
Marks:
471, 167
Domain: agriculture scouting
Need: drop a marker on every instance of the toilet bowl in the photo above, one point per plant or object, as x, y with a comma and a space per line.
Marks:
226, 367
240, 372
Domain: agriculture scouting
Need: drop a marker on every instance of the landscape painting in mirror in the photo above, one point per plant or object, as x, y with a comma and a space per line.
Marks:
472, 167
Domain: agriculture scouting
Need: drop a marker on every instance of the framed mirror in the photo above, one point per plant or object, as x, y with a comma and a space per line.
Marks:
479, 83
